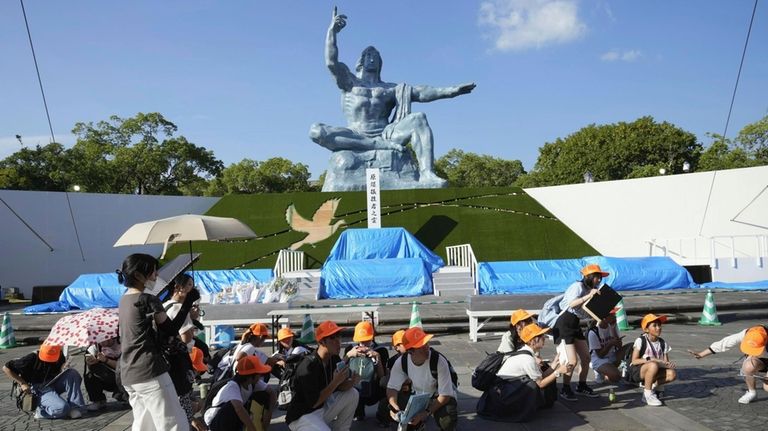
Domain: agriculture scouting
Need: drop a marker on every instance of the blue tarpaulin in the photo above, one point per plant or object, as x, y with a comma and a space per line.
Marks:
378, 263
374, 278
554, 276
747, 285
384, 243
103, 290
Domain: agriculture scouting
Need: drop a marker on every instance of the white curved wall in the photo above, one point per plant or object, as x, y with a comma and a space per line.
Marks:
718, 218
26, 261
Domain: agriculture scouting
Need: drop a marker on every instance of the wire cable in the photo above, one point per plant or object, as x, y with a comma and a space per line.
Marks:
50, 125
738, 75
37, 69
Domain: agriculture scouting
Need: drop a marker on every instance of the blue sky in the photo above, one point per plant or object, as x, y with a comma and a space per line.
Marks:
246, 79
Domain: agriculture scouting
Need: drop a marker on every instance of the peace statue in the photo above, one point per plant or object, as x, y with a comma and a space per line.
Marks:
374, 137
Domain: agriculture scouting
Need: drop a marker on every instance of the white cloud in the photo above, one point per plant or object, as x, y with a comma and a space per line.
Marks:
9, 144
516, 25
616, 55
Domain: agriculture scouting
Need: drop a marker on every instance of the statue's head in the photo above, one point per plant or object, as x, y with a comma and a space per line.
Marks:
370, 60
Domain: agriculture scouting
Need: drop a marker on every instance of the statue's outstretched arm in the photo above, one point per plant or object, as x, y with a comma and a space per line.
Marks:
339, 70
425, 93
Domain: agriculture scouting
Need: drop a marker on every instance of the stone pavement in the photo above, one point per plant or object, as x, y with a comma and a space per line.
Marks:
703, 398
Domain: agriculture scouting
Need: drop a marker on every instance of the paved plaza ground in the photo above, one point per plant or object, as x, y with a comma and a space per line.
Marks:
703, 398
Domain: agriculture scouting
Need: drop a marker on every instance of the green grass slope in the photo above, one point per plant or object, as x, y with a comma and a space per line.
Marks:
501, 224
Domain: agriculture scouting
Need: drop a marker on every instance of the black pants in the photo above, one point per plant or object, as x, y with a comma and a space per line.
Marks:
100, 378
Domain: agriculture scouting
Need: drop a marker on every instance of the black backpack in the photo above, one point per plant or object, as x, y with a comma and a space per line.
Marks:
484, 376
287, 387
626, 362
433, 358
215, 388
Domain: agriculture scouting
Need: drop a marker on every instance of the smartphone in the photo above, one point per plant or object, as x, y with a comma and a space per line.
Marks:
341, 365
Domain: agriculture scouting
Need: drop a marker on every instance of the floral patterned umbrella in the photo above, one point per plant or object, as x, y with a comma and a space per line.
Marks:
82, 329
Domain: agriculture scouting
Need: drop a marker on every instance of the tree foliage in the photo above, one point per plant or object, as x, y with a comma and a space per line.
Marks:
123, 155
139, 155
43, 168
463, 169
275, 175
614, 151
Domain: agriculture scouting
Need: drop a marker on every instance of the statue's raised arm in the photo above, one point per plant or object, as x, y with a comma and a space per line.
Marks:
339, 70
425, 93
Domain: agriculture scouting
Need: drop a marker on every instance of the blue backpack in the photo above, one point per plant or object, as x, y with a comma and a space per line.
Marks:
550, 311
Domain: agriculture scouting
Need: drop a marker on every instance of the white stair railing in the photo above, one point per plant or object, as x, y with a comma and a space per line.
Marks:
289, 261
713, 248
463, 256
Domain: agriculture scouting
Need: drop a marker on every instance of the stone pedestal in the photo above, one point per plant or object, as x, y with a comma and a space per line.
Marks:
346, 171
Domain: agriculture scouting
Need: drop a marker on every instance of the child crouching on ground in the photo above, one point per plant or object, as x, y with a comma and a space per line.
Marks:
650, 360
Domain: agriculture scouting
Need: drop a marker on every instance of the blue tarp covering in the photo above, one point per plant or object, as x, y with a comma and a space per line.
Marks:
378, 263
384, 243
102, 290
749, 285
554, 276
375, 278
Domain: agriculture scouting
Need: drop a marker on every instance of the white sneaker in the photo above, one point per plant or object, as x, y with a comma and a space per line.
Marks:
599, 378
651, 399
75, 413
98, 405
748, 397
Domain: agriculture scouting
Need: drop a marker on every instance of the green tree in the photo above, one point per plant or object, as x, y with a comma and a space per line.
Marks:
723, 154
613, 152
139, 155
463, 169
753, 140
275, 175
40, 168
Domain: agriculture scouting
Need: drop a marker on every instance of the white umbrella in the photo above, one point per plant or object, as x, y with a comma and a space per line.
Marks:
189, 227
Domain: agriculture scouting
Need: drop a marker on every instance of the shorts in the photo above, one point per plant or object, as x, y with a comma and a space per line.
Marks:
634, 373
764, 362
568, 328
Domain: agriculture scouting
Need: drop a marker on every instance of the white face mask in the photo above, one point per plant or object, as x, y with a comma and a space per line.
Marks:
190, 345
149, 285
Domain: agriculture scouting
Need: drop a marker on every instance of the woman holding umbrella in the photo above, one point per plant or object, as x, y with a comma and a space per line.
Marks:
143, 370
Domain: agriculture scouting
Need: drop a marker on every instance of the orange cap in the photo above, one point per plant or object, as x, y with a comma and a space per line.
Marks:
363, 332
519, 316
415, 337
258, 329
397, 337
754, 341
284, 333
591, 269
532, 331
652, 318
196, 356
49, 353
248, 365
325, 329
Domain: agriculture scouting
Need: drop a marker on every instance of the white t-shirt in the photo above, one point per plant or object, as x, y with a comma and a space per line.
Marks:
249, 350
421, 377
520, 365
230, 391
652, 350
598, 340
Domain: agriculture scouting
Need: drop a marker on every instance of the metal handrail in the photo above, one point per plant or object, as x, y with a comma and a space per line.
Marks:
463, 256
289, 261
714, 244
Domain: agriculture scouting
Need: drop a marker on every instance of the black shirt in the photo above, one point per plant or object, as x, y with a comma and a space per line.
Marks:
311, 378
33, 370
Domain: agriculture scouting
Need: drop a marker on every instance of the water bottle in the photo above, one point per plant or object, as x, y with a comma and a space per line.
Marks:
611, 396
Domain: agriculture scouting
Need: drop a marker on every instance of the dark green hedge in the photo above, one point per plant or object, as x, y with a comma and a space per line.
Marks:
500, 223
